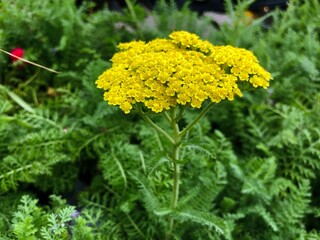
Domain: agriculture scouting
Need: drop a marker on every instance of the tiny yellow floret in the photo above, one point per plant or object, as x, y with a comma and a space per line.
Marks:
182, 70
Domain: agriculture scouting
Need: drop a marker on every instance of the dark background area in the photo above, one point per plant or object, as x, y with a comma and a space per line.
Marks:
196, 5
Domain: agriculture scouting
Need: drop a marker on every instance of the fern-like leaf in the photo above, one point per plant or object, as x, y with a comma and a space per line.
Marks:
203, 218
151, 202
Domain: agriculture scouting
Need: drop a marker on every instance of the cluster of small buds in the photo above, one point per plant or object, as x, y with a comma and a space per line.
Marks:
181, 70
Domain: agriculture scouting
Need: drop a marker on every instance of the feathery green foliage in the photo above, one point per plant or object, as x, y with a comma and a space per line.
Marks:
250, 167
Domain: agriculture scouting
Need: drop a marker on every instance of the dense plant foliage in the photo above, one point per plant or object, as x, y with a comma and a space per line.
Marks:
72, 167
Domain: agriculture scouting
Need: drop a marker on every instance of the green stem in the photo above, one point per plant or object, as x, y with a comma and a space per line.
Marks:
175, 159
176, 169
175, 196
167, 117
155, 126
176, 180
173, 118
202, 113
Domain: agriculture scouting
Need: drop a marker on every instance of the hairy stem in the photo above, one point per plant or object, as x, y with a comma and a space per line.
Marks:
176, 169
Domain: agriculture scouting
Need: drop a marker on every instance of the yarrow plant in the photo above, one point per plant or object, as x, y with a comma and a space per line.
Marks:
166, 76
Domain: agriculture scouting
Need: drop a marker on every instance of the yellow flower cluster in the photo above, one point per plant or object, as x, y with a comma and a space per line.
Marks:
181, 70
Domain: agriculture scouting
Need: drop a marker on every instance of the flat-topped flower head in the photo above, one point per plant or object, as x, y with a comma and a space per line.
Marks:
182, 70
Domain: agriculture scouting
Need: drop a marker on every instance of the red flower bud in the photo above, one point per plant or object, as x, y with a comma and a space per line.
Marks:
19, 52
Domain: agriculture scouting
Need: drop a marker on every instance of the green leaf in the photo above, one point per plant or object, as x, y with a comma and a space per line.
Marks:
203, 218
18, 100
151, 202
